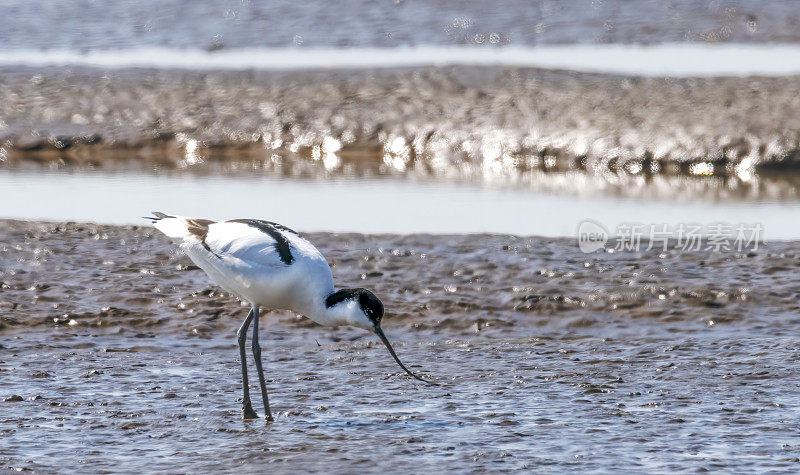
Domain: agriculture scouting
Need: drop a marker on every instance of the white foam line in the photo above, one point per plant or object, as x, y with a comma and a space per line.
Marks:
673, 59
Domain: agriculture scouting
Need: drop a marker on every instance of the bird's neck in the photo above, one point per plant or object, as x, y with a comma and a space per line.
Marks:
317, 309
341, 313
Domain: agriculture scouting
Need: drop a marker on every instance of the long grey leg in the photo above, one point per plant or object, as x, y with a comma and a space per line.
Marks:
257, 357
247, 408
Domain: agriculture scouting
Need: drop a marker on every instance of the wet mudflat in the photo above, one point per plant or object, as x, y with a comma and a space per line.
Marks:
98, 402
469, 121
117, 355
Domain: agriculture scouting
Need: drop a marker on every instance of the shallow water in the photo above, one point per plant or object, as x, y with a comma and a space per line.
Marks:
236, 23
688, 402
380, 205
123, 357
663, 60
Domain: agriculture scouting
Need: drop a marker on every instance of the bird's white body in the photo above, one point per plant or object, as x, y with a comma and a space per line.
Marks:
269, 265
247, 262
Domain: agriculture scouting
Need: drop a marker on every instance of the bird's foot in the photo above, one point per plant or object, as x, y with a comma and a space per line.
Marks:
269, 418
248, 412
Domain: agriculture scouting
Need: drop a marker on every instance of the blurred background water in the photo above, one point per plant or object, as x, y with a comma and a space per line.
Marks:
380, 205
90, 25
88, 86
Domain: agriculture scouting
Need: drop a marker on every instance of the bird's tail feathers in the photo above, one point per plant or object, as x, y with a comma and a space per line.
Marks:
158, 215
173, 226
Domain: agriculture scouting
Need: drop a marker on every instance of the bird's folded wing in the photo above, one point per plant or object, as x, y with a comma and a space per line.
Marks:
231, 240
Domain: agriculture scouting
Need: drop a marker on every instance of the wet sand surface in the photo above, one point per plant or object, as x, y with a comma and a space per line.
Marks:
118, 355
452, 120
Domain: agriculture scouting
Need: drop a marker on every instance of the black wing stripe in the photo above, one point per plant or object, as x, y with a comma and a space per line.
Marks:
278, 226
274, 231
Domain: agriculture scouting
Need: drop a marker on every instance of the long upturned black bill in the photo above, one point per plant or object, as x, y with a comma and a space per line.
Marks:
385, 341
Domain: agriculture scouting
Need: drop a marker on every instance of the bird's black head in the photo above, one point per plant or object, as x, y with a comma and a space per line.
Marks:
365, 311
371, 306
361, 308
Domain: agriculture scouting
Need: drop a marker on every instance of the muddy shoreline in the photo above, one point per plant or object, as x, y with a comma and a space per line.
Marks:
437, 119
129, 278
